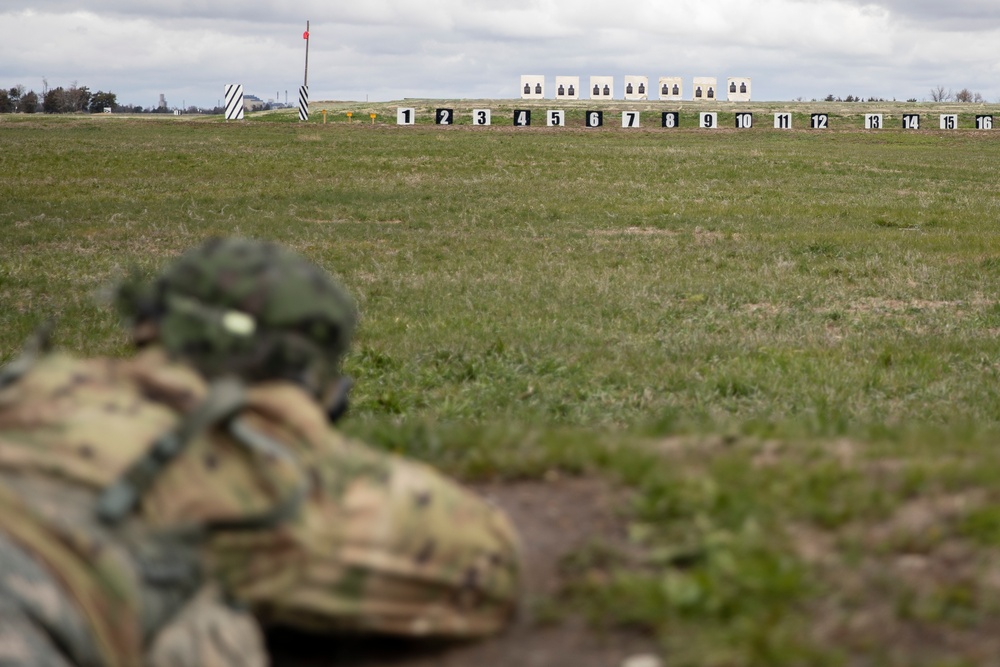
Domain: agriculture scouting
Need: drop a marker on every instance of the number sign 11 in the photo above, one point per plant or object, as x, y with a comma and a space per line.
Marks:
783, 121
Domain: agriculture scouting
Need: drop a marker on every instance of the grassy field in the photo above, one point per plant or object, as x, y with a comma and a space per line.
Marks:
785, 342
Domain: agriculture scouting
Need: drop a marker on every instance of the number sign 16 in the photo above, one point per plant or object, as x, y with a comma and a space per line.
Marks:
984, 122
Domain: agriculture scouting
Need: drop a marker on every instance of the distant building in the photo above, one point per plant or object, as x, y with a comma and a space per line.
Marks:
252, 103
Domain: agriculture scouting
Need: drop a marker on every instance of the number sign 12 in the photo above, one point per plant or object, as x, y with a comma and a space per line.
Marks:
819, 121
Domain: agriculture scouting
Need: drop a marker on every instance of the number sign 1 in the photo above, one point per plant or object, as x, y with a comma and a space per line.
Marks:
873, 121
911, 121
555, 118
444, 116
949, 121
783, 121
481, 117
522, 117
708, 120
819, 121
744, 120
670, 119
984, 122
405, 116
595, 118
630, 119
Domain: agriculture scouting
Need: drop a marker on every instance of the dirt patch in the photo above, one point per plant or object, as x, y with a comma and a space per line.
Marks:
556, 517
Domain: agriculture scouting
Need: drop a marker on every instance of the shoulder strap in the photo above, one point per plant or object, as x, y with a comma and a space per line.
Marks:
38, 343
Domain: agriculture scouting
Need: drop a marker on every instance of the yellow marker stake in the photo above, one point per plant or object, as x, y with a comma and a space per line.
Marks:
349, 116
324, 116
373, 118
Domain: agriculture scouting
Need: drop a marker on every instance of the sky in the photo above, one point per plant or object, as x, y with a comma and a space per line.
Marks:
382, 50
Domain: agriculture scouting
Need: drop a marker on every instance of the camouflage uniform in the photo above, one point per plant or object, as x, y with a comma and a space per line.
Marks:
148, 504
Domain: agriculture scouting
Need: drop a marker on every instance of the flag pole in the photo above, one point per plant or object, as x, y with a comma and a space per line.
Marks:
305, 80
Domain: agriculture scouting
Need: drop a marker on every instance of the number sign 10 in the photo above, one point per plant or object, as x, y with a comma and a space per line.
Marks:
744, 121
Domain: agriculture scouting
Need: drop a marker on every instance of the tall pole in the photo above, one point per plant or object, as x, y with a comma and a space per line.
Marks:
305, 80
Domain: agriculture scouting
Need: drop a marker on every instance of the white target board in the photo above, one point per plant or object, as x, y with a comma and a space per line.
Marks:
522, 117
481, 117
602, 87
738, 89
555, 118
636, 88
782, 120
630, 119
708, 120
405, 116
911, 121
705, 89
567, 87
595, 118
984, 122
670, 119
873, 121
671, 88
819, 121
444, 116
532, 86
949, 121
234, 101
743, 120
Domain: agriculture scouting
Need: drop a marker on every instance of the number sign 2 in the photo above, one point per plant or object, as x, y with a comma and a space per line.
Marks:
481, 117
444, 116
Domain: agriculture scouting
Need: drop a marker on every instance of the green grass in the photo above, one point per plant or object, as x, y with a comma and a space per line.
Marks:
784, 342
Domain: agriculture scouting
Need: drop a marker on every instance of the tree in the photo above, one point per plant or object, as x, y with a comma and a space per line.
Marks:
939, 94
964, 95
76, 99
29, 102
100, 100
53, 101
6, 104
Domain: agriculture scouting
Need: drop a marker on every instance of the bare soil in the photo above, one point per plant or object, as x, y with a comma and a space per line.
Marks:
556, 517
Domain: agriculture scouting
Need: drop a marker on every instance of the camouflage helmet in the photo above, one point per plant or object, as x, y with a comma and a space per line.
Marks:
250, 308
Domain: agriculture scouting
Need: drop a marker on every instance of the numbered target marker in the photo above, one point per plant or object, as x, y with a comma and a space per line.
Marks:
819, 121
708, 120
873, 121
595, 118
783, 121
481, 116
670, 119
911, 121
405, 116
444, 116
984, 122
630, 119
744, 120
949, 121
522, 117
555, 118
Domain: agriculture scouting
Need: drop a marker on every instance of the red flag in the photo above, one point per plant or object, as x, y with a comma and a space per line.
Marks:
305, 35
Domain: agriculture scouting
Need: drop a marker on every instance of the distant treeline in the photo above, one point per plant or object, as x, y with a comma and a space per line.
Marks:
75, 99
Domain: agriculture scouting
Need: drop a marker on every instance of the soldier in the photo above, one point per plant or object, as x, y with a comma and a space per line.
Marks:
159, 509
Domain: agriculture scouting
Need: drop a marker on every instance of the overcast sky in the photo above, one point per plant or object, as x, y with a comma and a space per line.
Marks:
381, 50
